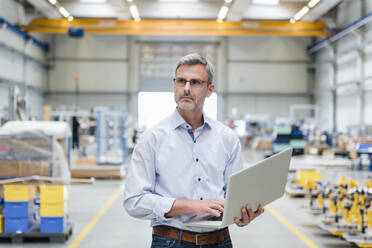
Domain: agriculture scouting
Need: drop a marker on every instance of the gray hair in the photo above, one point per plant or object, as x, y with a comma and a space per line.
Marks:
194, 59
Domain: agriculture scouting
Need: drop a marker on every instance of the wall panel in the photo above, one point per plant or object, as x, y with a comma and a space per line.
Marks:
285, 78
93, 76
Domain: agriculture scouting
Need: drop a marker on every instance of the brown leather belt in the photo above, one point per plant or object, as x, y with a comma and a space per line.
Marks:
209, 238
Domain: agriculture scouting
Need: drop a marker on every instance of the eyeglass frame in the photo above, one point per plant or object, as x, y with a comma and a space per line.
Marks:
199, 85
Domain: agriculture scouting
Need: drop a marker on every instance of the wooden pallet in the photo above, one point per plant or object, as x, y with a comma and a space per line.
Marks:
98, 171
34, 235
41, 179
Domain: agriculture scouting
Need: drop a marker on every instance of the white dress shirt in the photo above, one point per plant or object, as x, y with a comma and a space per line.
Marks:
171, 162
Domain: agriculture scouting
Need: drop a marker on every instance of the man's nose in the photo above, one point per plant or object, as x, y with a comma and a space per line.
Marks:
187, 87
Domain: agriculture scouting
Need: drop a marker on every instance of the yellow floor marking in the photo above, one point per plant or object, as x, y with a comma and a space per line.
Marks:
94, 221
293, 229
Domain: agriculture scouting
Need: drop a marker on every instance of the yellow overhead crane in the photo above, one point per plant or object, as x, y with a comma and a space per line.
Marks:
178, 27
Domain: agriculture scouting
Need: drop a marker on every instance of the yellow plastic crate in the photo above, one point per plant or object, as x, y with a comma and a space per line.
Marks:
19, 193
53, 193
58, 209
1, 223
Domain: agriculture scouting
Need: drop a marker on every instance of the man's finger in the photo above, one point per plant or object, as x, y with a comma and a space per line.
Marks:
217, 207
245, 217
259, 211
250, 212
237, 222
213, 212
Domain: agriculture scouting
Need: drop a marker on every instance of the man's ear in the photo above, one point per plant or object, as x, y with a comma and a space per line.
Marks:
210, 89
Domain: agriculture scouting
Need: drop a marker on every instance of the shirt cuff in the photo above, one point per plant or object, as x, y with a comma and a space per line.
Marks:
163, 206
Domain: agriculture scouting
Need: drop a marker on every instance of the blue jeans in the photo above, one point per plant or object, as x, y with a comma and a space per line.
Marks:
163, 242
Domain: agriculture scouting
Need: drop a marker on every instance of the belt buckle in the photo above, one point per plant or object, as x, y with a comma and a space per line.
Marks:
197, 238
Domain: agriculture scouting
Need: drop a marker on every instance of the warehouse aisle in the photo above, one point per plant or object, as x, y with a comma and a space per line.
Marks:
116, 229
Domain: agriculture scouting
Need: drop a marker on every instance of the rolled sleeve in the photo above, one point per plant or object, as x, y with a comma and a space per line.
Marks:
163, 207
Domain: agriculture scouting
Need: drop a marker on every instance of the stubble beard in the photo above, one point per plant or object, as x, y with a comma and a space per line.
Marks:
186, 105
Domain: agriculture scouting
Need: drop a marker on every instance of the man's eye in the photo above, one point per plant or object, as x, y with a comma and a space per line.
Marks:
194, 82
181, 80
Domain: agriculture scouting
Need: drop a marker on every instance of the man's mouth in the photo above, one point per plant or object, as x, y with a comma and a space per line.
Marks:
186, 97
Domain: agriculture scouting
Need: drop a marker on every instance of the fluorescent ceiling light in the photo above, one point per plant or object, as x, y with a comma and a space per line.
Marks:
301, 13
266, 2
292, 20
178, 1
64, 12
228, 1
70, 18
92, 1
53, 1
134, 11
223, 12
312, 3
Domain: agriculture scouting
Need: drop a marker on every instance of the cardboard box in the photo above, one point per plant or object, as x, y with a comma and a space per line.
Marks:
37, 167
21, 168
32, 145
8, 168
265, 144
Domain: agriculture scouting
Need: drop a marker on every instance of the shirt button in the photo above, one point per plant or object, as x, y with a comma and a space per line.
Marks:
201, 198
187, 126
197, 160
199, 179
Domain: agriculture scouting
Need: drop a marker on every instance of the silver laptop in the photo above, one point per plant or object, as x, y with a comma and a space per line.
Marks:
261, 183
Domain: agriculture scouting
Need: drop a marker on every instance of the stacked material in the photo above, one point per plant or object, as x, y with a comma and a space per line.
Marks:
34, 148
289, 136
19, 207
53, 208
26, 155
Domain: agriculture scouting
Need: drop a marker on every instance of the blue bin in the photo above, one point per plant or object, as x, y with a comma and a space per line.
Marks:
52, 224
18, 209
14, 224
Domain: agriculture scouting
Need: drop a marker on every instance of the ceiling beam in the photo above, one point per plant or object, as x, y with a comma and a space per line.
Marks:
179, 27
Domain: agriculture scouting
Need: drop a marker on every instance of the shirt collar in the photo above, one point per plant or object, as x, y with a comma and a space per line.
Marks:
177, 120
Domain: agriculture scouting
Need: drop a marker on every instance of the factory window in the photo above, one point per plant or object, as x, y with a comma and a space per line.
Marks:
155, 106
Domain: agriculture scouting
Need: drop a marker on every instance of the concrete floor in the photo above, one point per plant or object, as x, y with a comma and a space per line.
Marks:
117, 229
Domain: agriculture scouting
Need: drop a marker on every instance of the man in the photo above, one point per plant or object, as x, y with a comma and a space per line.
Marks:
180, 167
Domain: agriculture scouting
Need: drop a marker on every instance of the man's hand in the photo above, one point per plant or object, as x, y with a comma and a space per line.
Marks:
248, 215
208, 206
197, 207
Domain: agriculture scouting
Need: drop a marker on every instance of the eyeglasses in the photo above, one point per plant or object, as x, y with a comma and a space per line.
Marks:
195, 83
